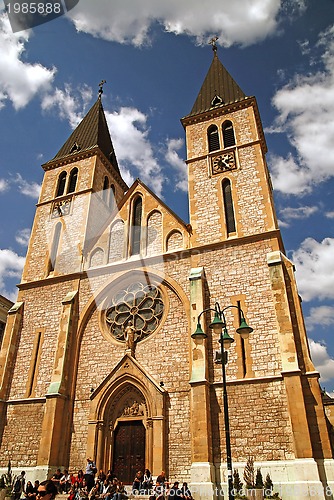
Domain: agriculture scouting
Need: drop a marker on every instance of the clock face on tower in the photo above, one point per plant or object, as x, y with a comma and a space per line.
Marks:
61, 208
223, 162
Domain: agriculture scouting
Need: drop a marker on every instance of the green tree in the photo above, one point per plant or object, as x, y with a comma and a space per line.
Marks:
268, 486
259, 479
237, 484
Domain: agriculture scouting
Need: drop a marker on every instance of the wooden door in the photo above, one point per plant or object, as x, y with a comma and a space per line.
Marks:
129, 450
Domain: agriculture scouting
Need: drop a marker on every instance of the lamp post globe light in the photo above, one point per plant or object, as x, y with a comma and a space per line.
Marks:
218, 325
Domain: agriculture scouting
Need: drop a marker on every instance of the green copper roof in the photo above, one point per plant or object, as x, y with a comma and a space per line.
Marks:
91, 132
218, 89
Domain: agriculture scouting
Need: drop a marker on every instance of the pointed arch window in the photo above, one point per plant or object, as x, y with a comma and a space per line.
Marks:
228, 134
228, 207
61, 184
136, 226
105, 189
112, 200
213, 138
54, 248
73, 180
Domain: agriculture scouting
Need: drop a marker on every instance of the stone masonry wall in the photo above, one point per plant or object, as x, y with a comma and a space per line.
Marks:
244, 274
259, 422
42, 310
21, 437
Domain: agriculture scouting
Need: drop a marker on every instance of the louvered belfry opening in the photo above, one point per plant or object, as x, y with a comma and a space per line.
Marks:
228, 134
228, 206
213, 138
61, 184
73, 181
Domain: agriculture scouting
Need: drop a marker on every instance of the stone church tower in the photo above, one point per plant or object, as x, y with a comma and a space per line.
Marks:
98, 357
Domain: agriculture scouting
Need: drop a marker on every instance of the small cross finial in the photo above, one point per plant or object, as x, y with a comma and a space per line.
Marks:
213, 43
102, 82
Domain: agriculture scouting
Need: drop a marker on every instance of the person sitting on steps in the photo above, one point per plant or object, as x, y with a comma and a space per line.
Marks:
137, 483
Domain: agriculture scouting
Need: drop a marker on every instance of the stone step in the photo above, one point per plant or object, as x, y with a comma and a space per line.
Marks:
138, 497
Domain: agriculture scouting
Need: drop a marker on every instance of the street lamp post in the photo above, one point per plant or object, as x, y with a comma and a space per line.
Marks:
218, 325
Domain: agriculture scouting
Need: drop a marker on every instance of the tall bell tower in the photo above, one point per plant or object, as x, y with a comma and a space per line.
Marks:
229, 187
82, 185
238, 260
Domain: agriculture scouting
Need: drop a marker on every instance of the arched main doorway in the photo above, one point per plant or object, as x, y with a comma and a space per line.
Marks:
129, 449
126, 430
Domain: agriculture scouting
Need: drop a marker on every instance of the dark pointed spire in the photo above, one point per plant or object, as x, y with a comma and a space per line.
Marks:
218, 88
92, 132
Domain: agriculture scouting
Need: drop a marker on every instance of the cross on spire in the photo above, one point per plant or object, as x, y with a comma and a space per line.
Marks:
213, 43
102, 82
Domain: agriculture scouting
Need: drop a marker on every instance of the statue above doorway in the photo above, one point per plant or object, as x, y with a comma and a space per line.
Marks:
130, 342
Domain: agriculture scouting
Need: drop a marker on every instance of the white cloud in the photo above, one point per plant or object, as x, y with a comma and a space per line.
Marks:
173, 158
321, 359
70, 107
129, 21
329, 215
3, 185
19, 81
289, 177
22, 236
11, 266
282, 223
31, 189
129, 132
289, 213
322, 316
305, 113
315, 269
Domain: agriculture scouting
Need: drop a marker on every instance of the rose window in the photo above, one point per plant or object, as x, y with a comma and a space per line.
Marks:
140, 305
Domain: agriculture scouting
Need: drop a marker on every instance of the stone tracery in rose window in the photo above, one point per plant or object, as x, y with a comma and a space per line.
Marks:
139, 303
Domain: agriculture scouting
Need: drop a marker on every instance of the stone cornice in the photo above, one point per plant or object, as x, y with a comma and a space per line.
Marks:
24, 401
74, 158
221, 151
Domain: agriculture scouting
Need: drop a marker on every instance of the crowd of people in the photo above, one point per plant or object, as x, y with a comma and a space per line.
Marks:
94, 485
143, 484
97, 485
34, 491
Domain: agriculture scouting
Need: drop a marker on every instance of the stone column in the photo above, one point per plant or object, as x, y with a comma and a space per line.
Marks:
202, 468
56, 427
7, 358
158, 431
309, 429
100, 446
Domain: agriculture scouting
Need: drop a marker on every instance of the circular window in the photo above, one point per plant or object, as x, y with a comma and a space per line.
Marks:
141, 304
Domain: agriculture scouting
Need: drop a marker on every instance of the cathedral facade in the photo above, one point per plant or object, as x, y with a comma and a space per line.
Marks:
99, 357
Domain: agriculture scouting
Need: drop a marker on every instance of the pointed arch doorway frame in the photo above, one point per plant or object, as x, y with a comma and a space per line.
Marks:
128, 397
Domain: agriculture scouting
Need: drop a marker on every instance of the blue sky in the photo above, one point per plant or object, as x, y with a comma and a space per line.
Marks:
154, 56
